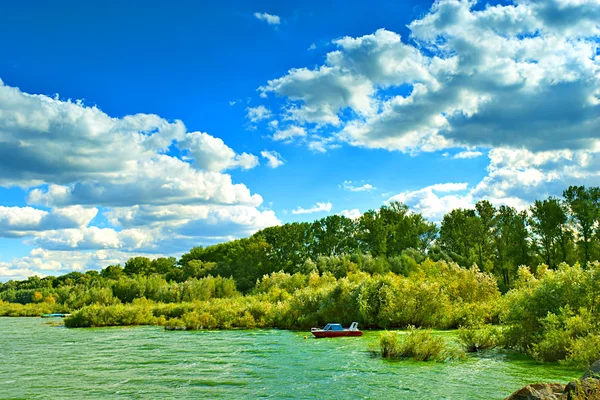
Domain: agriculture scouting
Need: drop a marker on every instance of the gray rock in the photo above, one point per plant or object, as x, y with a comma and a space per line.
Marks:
593, 371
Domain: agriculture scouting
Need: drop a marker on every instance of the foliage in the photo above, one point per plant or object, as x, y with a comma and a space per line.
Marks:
389, 268
419, 345
554, 316
479, 338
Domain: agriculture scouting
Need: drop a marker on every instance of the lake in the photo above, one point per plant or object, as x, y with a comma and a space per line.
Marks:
39, 360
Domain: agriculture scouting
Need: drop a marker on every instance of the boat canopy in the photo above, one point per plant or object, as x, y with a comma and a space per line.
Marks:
333, 327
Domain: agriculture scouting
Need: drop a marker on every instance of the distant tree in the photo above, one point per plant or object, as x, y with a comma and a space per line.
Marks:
484, 223
112, 272
549, 229
290, 245
137, 266
511, 240
392, 229
333, 235
163, 265
458, 236
584, 207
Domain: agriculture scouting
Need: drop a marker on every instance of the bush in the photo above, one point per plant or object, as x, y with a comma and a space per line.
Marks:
27, 310
584, 351
420, 345
388, 342
477, 339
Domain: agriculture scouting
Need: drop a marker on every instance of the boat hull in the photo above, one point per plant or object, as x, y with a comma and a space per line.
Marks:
334, 334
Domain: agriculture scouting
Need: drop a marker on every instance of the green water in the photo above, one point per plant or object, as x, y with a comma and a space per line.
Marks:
42, 361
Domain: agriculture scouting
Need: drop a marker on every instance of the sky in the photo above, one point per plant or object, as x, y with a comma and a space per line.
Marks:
148, 128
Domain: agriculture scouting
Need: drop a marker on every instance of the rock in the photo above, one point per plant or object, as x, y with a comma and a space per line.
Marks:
539, 391
588, 388
593, 371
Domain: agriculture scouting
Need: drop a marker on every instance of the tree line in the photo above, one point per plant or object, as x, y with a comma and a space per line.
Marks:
391, 239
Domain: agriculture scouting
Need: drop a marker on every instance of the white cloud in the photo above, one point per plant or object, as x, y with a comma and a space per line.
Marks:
255, 114
522, 75
74, 159
173, 228
212, 154
9, 272
268, 18
46, 140
427, 202
274, 159
289, 133
467, 154
319, 207
42, 262
348, 185
162, 180
25, 221
352, 214
312, 46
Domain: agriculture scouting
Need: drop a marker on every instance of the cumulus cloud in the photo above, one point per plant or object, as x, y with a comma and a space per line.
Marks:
319, 207
42, 262
23, 221
8, 272
74, 159
428, 202
289, 133
352, 214
48, 140
255, 114
467, 154
520, 75
348, 185
274, 159
160, 180
212, 154
268, 18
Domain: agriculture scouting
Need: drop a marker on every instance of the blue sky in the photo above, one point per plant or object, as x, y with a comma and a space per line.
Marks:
151, 127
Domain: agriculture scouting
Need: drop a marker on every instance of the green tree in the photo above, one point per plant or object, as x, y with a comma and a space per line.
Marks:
458, 236
290, 244
584, 207
511, 240
550, 232
137, 266
485, 221
393, 229
163, 265
112, 272
333, 235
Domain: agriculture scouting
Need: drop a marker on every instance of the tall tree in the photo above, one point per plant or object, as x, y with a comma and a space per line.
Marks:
584, 207
333, 235
137, 266
486, 214
511, 242
393, 229
458, 236
549, 229
290, 244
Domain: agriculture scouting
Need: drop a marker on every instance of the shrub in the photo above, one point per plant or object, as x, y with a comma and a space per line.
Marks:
388, 342
584, 351
476, 339
420, 345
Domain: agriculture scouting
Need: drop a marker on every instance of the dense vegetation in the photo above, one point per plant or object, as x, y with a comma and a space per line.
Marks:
531, 272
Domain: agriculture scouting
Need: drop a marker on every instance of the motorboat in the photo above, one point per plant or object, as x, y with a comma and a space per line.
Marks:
56, 315
336, 330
